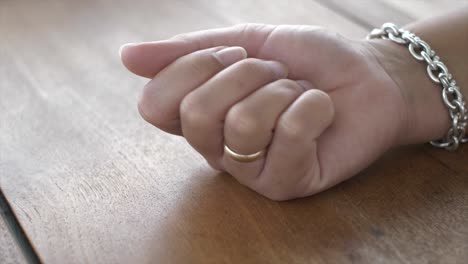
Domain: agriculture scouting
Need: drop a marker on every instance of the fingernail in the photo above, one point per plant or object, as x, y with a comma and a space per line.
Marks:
231, 55
124, 46
279, 69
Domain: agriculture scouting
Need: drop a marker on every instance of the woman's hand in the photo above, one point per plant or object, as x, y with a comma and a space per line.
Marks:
324, 107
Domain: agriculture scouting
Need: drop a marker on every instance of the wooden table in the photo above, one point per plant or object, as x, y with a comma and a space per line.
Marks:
90, 182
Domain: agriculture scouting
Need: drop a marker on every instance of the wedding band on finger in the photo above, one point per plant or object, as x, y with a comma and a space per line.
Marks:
243, 158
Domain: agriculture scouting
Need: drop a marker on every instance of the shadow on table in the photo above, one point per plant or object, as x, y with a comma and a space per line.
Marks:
396, 210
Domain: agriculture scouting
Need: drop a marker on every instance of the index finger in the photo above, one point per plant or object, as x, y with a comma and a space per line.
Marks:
147, 59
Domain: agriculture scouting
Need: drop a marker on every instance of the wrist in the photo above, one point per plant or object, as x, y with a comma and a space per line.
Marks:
427, 117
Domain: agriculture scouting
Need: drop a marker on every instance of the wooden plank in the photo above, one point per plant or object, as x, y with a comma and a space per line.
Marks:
14, 245
419, 9
91, 182
9, 251
368, 13
282, 12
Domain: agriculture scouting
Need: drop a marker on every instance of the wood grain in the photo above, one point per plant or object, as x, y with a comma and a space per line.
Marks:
9, 251
92, 183
419, 9
367, 14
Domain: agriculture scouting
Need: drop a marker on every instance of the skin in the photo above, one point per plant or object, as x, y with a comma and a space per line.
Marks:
323, 106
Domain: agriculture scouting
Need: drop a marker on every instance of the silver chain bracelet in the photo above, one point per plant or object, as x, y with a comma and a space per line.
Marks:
438, 73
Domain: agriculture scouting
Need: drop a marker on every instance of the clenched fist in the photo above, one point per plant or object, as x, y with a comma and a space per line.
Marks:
322, 107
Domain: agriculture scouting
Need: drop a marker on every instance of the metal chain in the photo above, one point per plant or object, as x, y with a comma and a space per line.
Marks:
438, 73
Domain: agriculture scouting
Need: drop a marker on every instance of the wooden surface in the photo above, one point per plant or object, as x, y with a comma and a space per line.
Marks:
9, 251
91, 182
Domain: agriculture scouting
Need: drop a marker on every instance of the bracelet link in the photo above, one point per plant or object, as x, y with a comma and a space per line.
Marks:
438, 73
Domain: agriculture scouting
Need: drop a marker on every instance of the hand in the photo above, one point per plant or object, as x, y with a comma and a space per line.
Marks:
323, 106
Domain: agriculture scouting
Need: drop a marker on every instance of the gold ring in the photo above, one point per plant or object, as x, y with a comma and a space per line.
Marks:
243, 158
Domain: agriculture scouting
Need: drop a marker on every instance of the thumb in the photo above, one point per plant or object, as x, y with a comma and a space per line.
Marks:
147, 59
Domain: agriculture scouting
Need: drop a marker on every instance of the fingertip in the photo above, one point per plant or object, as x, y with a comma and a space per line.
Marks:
129, 56
322, 100
124, 47
146, 59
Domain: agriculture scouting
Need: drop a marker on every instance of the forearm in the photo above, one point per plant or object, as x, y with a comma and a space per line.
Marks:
447, 34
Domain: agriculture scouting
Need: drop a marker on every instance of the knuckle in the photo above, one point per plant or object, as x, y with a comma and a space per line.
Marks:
322, 101
242, 28
240, 123
192, 111
200, 67
246, 27
185, 37
243, 68
293, 129
152, 113
143, 113
181, 36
